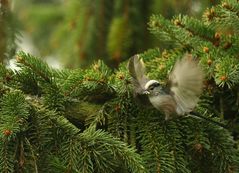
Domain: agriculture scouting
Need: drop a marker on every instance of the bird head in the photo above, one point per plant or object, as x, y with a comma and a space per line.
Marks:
152, 87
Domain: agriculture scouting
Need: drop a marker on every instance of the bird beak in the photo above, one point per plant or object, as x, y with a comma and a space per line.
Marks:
146, 92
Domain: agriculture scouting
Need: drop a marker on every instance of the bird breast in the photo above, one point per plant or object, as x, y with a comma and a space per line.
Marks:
164, 103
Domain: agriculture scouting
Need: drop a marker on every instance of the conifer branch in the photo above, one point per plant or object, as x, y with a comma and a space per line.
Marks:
195, 27
37, 66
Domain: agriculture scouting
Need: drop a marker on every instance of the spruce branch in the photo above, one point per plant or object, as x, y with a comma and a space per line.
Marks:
14, 112
224, 17
196, 27
118, 149
35, 65
99, 117
32, 154
167, 31
94, 82
7, 153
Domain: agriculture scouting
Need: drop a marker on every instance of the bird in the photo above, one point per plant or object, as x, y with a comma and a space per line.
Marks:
185, 85
180, 97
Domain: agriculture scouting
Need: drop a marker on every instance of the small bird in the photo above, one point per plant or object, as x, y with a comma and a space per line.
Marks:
182, 94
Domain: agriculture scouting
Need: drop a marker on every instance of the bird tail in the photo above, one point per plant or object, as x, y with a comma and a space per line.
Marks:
196, 114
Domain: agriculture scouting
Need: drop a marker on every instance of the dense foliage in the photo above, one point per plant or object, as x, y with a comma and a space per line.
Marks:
88, 120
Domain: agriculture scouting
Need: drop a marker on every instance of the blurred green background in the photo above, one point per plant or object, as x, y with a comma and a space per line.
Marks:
74, 33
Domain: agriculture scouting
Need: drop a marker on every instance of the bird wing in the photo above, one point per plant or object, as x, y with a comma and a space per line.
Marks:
186, 81
137, 71
139, 79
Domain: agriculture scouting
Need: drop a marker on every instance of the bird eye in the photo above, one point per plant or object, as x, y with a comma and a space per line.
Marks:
157, 84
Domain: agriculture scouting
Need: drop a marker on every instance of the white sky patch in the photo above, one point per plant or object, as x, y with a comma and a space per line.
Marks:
53, 62
196, 6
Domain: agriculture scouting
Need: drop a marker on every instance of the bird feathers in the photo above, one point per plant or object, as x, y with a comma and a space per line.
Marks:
186, 81
137, 71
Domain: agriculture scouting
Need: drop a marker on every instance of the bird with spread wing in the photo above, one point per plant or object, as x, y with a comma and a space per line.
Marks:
182, 94
185, 86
